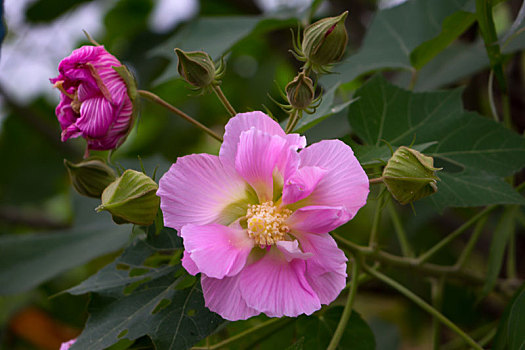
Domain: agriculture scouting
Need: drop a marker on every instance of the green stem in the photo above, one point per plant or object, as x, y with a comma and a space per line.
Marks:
472, 242
437, 302
375, 223
292, 121
252, 332
422, 304
507, 118
427, 255
156, 99
413, 79
400, 231
511, 255
347, 312
411, 263
376, 180
224, 100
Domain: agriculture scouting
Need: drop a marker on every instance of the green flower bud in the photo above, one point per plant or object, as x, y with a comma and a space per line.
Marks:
410, 175
325, 41
196, 68
90, 177
131, 199
300, 92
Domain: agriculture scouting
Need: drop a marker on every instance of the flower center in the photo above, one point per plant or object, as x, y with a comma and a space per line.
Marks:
266, 223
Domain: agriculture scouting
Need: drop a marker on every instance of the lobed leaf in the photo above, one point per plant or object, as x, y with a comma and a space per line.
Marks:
475, 152
146, 292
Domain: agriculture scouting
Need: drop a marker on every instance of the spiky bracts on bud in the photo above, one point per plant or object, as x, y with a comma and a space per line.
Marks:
324, 43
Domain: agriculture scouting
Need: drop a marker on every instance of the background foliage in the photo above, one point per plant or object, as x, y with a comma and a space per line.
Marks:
416, 73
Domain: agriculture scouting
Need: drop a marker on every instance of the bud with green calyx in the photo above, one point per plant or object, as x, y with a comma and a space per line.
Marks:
300, 92
410, 175
324, 43
131, 199
91, 176
198, 69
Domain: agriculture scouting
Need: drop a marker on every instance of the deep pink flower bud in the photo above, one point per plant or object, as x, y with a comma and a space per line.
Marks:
94, 100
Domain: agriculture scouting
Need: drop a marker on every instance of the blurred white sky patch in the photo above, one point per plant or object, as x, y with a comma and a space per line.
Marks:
168, 13
384, 4
274, 5
30, 53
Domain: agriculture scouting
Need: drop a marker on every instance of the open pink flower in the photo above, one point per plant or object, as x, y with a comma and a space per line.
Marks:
255, 219
94, 101
67, 345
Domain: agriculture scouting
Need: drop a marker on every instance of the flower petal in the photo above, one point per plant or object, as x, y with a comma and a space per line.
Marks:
245, 121
301, 184
290, 250
96, 115
258, 155
326, 269
277, 287
344, 184
189, 264
223, 296
217, 250
198, 189
317, 219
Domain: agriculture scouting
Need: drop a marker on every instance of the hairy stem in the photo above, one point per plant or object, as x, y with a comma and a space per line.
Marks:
376, 181
224, 100
347, 312
423, 304
156, 99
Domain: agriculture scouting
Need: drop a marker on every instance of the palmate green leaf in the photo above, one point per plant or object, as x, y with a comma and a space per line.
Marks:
30, 259
146, 292
395, 33
215, 36
475, 152
318, 331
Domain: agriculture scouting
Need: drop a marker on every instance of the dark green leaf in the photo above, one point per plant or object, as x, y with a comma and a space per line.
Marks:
500, 238
475, 152
452, 27
146, 292
327, 108
394, 33
30, 259
318, 331
510, 329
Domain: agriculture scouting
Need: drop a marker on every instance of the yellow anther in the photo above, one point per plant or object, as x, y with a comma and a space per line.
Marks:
266, 223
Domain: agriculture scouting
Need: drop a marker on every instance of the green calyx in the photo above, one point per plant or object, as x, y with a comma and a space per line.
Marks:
131, 199
410, 175
324, 42
300, 92
197, 68
90, 177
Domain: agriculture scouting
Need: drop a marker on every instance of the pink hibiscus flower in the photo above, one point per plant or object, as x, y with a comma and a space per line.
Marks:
94, 101
255, 219
67, 345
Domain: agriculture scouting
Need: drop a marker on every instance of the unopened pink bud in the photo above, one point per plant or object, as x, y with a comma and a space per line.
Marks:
94, 101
